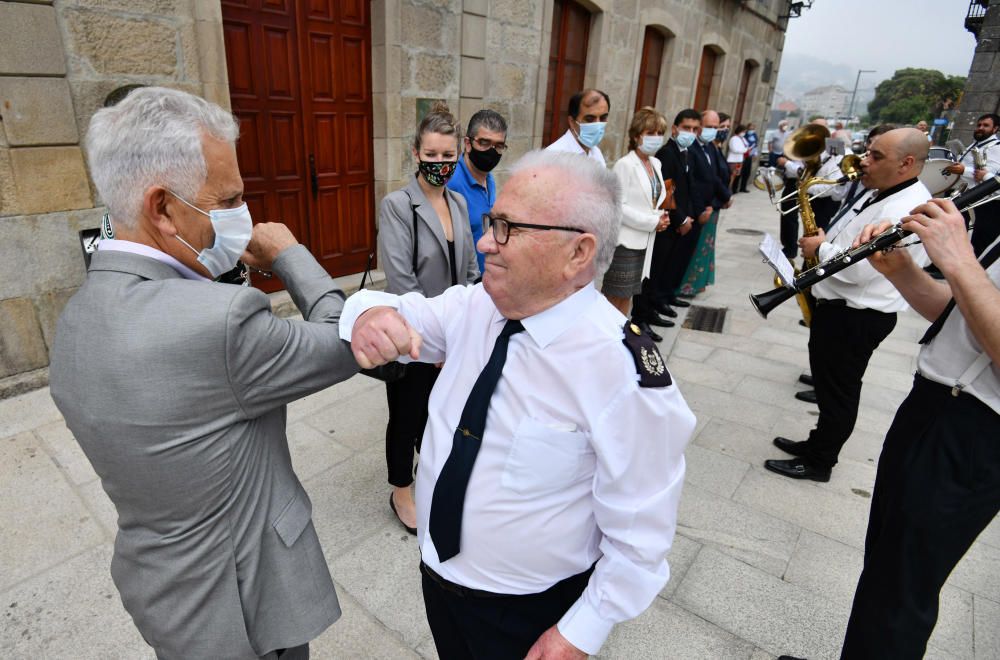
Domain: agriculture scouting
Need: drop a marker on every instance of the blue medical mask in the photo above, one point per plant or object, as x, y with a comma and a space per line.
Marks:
685, 139
708, 134
591, 134
233, 228
651, 144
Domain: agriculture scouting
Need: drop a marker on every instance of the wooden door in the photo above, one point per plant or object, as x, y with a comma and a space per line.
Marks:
706, 72
653, 45
741, 98
567, 64
299, 80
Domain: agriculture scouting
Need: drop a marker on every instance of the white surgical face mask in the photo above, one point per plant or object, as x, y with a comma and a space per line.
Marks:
651, 144
685, 139
233, 228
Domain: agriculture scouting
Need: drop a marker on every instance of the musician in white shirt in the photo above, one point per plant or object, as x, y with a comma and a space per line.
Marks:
572, 503
855, 308
986, 147
938, 481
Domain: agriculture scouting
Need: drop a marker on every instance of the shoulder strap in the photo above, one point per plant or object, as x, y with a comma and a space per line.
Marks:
413, 208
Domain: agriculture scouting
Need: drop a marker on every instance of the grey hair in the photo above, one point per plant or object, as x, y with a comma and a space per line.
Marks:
595, 204
491, 120
152, 137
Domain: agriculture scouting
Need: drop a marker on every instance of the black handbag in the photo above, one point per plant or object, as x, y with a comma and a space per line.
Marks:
392, 371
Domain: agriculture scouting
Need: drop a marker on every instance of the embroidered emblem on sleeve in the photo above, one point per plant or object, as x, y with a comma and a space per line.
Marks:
648, 361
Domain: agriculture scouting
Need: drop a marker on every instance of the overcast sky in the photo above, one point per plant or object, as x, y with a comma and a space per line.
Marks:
885, 35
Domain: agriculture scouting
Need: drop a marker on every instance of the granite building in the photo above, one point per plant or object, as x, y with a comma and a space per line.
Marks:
329, 94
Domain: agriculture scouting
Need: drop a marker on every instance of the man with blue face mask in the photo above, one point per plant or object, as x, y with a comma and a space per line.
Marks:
587, 117
175, 387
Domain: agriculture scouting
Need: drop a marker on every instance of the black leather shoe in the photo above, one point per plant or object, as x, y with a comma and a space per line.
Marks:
645, 328
666, 310
656, 319
798, 468
790, 446
677, 302
809, 396
787, 657
392, 505
806, 379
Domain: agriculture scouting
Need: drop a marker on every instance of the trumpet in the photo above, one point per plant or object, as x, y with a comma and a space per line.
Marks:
985, 192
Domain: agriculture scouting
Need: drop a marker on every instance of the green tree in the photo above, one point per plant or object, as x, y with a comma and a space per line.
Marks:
911, 95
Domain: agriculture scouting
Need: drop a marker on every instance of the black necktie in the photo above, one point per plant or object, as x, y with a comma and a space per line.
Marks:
449, 491
935, 328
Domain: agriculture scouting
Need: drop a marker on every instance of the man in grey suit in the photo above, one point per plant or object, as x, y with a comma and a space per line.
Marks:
175, 387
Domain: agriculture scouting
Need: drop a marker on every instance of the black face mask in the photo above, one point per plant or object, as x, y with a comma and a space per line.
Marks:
484, 161
722, 134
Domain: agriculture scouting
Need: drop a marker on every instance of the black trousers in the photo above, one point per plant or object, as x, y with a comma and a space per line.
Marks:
937, 488
482, 626
676, 267
841, 341
744, 177
407, 398
654, 287
789, 220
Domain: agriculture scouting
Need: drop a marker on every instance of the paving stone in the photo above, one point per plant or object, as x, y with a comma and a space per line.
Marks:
38, 507
313, 452
991, 535
101, 507
690, 351
795, 340
781, 394
324, 398
758, 539
357, 629
724, 405
881, 398
979, 571
357, 423
749, 364
668, 631
987, 626
382, 574
713, 471
350, 501
682, 553
66, 453
774, 615
70, 611
427, 649
805, 505
689, 371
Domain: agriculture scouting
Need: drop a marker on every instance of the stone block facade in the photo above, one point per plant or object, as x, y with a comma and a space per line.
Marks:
62, 59
982, 87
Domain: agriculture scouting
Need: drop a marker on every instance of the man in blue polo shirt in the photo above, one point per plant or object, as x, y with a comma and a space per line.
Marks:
484, 144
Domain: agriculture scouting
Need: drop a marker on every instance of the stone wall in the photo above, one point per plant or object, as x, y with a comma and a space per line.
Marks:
494, 53
58, 63
982, 87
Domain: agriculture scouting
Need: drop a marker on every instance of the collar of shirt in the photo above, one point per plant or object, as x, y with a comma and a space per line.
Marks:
882, 194
466, 179
151, 252
546, 326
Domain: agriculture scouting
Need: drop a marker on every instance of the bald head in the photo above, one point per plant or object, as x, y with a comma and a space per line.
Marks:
894, 157
710, 119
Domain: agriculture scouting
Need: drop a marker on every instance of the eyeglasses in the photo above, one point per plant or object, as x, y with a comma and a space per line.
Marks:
501, 227
483, 144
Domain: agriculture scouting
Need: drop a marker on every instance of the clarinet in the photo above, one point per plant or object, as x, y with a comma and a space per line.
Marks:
765, 302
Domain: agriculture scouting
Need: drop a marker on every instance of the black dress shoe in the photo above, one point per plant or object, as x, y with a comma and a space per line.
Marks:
798, 468
790, 446
803, 323
806, 379
646, 329
392, 505
787, 657
809, 396
656, 319
666, 310
677, 302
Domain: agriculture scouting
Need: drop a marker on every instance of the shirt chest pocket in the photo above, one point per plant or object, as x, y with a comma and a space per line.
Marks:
545, 457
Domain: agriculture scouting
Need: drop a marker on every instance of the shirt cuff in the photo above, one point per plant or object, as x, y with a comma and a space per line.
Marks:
825, 251
360, 303
584, 628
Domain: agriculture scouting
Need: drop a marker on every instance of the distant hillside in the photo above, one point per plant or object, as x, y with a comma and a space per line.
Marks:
800, 73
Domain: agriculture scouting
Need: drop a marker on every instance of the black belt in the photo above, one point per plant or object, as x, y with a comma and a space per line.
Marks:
835, 302
457, 589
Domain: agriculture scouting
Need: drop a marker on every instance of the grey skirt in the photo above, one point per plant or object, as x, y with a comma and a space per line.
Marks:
624, 276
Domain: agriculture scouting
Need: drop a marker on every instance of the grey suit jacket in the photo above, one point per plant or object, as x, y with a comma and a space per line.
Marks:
395, 242
176, 391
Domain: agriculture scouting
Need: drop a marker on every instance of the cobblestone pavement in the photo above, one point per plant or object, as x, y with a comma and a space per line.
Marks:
761, 565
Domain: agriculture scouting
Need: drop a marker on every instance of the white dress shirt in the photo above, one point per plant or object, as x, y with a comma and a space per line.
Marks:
578, 463
151, 252
569, 144
990, 147
860, 284
955, 348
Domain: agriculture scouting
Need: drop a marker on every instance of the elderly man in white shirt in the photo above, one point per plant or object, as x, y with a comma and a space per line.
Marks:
855, 308
549, 479
587, 117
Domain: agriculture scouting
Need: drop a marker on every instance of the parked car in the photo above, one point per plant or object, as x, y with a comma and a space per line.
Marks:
858, 141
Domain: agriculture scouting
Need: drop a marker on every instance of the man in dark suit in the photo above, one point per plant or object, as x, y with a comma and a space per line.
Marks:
709, 193
652, 301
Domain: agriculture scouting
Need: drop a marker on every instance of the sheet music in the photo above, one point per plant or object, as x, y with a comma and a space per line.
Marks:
771, 250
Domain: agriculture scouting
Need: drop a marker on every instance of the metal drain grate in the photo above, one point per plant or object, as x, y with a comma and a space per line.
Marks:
745, 232
706, 319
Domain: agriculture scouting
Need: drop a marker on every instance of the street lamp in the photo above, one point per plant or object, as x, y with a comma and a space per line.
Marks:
854, 94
